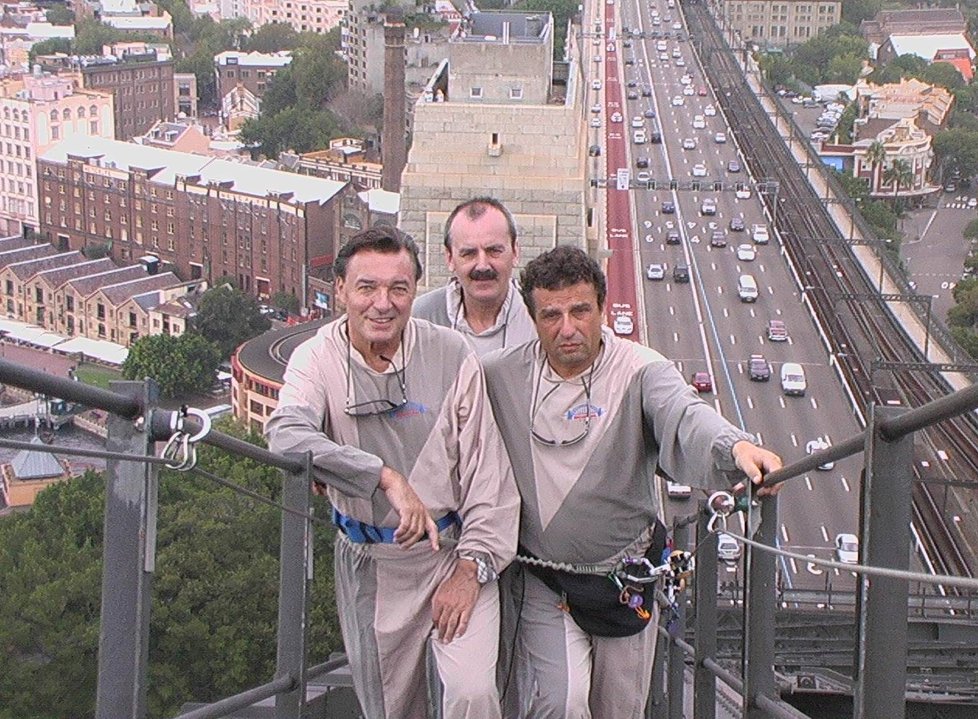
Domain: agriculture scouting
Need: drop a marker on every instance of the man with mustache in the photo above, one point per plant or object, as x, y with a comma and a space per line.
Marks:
481, 301
395, 414
587, 417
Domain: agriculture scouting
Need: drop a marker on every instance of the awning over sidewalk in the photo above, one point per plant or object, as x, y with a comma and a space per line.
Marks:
96, 349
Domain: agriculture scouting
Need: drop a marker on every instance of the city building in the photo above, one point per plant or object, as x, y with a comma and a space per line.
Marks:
41, 288
105, 318
242, 78
518, 132
186, 98
203, 217
345, 160
160, 26
13, 283
425, 43
916, 21
177, 136
951, 48
37, 111
16, 42
140, 78
70, 317
319, 16
22, 479
928, 105
774, 23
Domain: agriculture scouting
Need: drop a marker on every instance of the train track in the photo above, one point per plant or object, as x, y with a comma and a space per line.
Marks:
861, 329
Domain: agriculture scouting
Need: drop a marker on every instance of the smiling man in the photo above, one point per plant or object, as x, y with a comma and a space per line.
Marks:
586, 418
481, 301
395, 414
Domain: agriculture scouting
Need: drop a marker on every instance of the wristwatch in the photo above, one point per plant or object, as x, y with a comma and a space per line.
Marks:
484, 572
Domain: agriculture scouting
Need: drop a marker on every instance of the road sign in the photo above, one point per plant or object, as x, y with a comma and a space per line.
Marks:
624, 178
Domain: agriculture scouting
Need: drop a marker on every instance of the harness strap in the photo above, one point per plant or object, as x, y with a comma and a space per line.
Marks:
362, 533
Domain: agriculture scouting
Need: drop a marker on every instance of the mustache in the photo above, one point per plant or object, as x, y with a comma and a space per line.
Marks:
489, 274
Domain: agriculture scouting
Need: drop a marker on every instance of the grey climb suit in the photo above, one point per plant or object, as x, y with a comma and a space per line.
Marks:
588, 501
445, 442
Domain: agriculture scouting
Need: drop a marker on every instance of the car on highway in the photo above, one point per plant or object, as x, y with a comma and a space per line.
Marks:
745, 253
649, 114
623, 325
595, 121
728, 548
668, 207
689, 143
733, 166
793, 381
680, 62
632, 83
759, 234
597, 58
639, 137
643, 176
720, 138
629, 60
616, 117
664, 56
688, 90
642, 161
701, 91
686, 80
709, 111
594, 150
699, 122
655, 136
673, 237
655, 271
777, 331
678, 101
675, 490
596, 108
646, 91
718, 238
680, 273
708, 206
758, 369
595, 84
736, 224
638, 121
847, 548
699, 170
817, 445
632, 95
702, 382
742, 192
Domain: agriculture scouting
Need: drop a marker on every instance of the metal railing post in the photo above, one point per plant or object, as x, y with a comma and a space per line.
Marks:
657, 706
760, 605
128, 562
705, 618
677, 660
295, 577
885, 509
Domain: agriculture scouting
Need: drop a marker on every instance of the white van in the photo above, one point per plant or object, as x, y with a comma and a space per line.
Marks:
793, 379
699, 122
639, 137
747, 288
661, 46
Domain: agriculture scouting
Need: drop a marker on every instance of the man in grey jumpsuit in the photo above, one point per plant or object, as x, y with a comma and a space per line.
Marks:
586, 417
481, 301
395, 414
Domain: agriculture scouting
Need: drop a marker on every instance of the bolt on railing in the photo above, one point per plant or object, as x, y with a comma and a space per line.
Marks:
129, 552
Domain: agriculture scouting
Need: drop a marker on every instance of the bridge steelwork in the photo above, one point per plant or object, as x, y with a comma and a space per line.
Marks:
137, 422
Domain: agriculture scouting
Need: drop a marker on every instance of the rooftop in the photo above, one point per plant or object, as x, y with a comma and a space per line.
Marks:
28, 464
927, 46
254, 59
59, 276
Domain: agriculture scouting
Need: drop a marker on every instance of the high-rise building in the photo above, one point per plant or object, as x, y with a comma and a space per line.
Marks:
38, 111
202, 217
497, 119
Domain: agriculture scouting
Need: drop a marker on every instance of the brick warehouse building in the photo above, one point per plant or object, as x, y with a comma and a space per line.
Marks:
204, 218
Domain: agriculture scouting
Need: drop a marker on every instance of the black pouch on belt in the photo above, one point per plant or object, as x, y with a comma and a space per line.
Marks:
594, 601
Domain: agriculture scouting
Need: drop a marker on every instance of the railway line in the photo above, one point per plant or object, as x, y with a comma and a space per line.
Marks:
865, 338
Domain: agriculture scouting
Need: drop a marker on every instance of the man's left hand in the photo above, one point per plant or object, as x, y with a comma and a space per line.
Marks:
451, 607
756, 462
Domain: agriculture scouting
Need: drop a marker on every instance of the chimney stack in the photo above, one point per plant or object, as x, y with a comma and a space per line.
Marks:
393, 148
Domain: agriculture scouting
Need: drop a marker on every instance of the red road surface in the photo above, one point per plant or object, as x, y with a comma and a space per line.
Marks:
621, 270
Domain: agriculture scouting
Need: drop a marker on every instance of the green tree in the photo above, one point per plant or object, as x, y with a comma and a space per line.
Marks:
876, 155
227, 317
855, 11
776, 68
899, 174
91, 36
957, 151
843, 69
273, 37
49, 47
286, 301
215, 593
856, 187
60, 15
562, 11
970, 231
943, 74
180, 365
881, 217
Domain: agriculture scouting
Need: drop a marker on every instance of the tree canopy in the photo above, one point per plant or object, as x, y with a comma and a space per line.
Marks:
227, 317
60, 15
180, 365
215, 592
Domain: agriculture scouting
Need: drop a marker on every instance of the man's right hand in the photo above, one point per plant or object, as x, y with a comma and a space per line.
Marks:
415, 520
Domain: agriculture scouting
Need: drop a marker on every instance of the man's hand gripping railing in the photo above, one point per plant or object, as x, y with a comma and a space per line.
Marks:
180, 451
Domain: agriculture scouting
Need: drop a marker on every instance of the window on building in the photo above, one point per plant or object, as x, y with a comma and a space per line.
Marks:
55, 133
475, 92
516, 93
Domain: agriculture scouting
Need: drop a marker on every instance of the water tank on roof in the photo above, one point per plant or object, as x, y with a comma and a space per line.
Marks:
151, 263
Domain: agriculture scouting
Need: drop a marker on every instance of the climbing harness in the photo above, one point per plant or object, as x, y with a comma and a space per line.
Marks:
180, 451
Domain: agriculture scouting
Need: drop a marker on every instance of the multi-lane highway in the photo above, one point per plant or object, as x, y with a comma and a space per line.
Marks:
703, 324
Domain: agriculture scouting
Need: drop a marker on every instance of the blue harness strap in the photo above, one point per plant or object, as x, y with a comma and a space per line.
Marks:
362, 533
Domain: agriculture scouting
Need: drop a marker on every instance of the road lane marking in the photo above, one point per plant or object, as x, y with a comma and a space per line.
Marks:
750, 402
784, 534
794, 439
845, 483
825, 532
